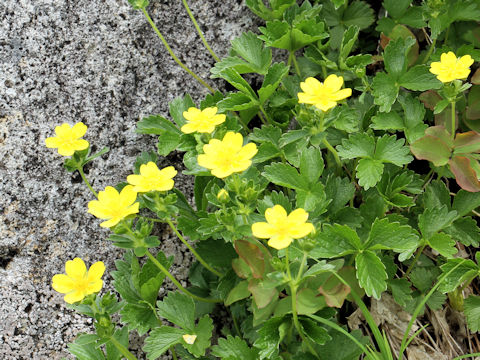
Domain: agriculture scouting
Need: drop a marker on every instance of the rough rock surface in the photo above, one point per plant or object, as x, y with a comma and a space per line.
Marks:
98, 62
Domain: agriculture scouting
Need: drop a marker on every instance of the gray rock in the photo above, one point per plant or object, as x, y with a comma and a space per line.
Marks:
98, 62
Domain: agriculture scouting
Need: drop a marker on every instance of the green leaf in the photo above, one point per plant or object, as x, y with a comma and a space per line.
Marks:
385, 91
239, 292
178, 106
203, 330
121, 336
262, 294
236, 102
167, 143
357, 145
179, 309
436, 195
419, 78
339, 190
266, 151
285, 175
276, 10
267, 133
392, 236
269, 338
472, 312
369, 172
335, 241
342, 347
401, 291
465, 230
234, 348
272, 80
464, 202
315, 332
161, 339
371, 273
311, 164
395, 56
387, 121
396, 8
444, 244
156, 125
138, 4
434, 220
349, 38
391, 150
358, 13
139, 316
236, 80
458, 270
431, 148
84, 350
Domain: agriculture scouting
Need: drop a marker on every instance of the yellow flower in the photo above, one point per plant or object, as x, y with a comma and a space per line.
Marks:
189, 339
78, 282
227, 156
323, 95
152, 179
451, 68
282, 229
68, 139
114, 206
202, 121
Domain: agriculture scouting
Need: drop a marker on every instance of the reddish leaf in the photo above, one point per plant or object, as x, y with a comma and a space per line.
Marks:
476, 78
252, 255
334, 292
433, 147
473, 106
441, 133
241, 268
430, 98
465, 175
468, 142
262, 296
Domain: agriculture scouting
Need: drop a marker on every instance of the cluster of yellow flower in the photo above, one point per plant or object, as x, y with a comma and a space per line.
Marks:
451, 68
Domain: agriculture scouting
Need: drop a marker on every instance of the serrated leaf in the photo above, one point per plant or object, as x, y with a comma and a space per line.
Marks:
396, 8
85, 352
357, 145
269, 338
237, 81
395, 56
236, 102
167, 143
464, 202
179, 309
339, 190
335, 241
315, 332
472, 312
369, 172
434, 220
392, 236
272, 80
178, 106
387, 121
385, 91
419, 78
203, 330
285, 175
465, 230
311, 164
276, 11
391, 150
239, 292
371, 273
458, 271
161, 339
234, 348
444, 244
139, 316
358, 13
401, 291
156, 125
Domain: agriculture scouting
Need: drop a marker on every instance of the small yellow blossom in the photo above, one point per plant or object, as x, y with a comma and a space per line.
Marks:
227, 156
202, 121
189, 339
113, 206
451, 68
281, 228
68, 139
78, 282
152, 179
323, 95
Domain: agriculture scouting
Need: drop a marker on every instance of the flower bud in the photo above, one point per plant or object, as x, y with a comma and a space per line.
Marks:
223, 196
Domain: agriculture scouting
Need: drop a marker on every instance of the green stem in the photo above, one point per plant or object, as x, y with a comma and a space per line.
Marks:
427, 178
85, 180
300, 270
295, 62
194, 252
333, 151
151, 219
453, 120
200, 31
175, 281
293, 289
417, 256
262, 118
466, 356
123, 350
174, 354
430, 51
265, 114
170, 51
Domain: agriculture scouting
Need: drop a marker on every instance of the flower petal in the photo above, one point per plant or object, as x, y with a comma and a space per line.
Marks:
280, 242
127, 196
342, 94
275, 214
310, 85
62, 283
74, 296
94, 287
333, 82
79, 129
263, 230
298, 216
75, 268
301, 230
168, 172
96, 271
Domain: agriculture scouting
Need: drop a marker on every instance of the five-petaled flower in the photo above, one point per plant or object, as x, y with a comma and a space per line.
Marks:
113, 206
323, 95
281, 228
152, 179
451, 68
78, 282
68, 139
227, 156
202, 121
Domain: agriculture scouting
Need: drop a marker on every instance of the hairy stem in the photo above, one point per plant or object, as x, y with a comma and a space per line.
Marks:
199, 31
177, 283
170, 51
193, 251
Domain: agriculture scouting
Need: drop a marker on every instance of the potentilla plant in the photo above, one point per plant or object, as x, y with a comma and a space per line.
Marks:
312, 196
